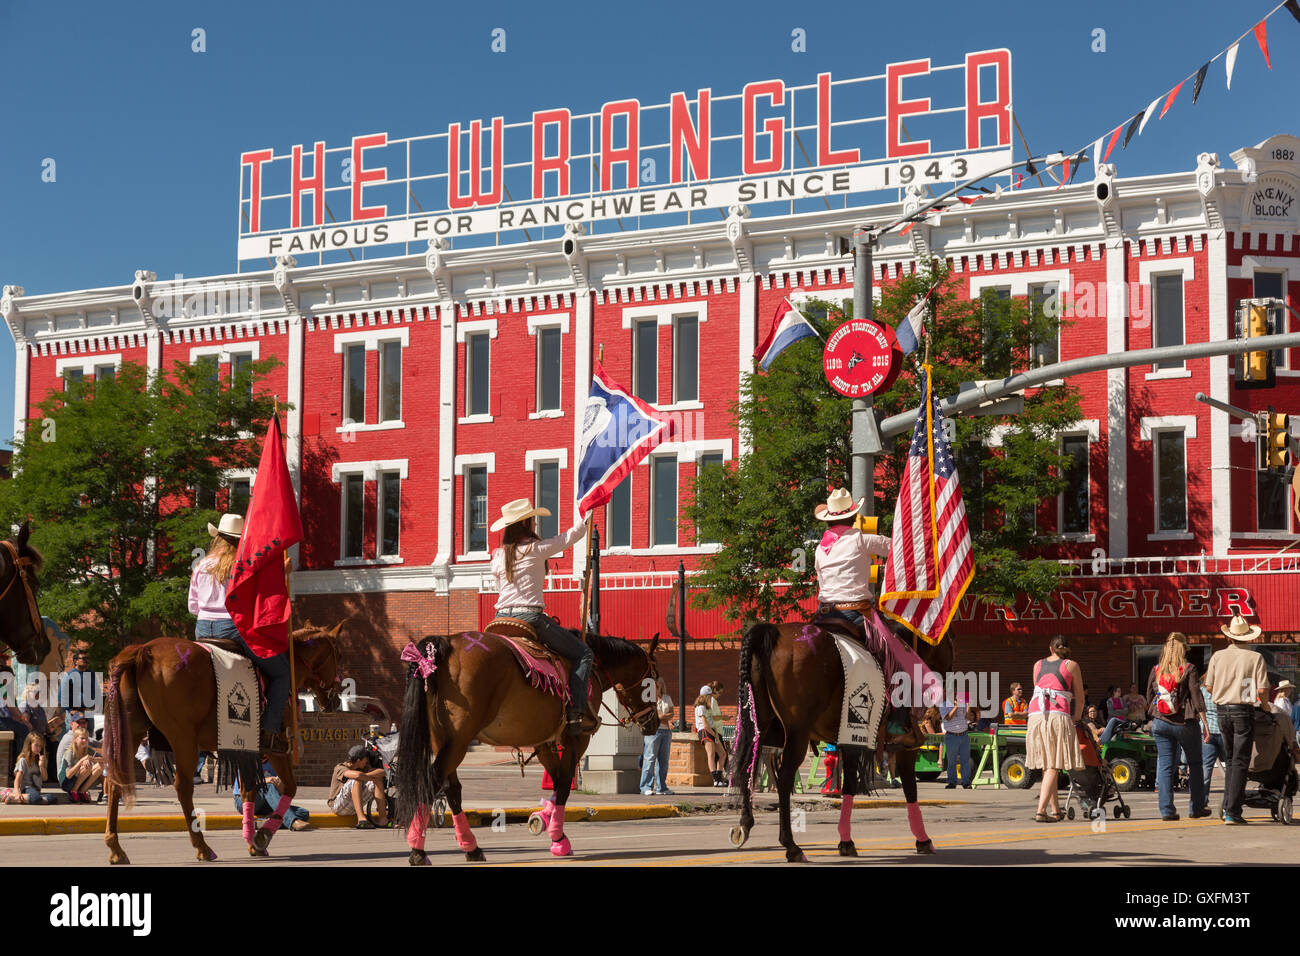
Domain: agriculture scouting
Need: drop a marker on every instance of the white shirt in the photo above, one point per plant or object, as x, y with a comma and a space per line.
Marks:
664, 705
700, 722
844, 571
207, 596
530, 568
958, 723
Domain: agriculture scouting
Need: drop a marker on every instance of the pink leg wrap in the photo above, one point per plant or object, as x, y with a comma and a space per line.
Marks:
846, 811
419, 824
914, 821
464, 836
248, 821
277, 820
562, 848
555, 825
547, 811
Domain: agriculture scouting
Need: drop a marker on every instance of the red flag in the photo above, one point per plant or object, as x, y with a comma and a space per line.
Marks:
1173, 95
1111, 145
1261, 34
258, 598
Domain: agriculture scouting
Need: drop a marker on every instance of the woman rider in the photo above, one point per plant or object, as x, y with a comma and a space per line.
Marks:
519, 566
208, 586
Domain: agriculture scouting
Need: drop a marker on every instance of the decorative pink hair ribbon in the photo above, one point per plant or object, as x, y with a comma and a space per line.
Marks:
425, 665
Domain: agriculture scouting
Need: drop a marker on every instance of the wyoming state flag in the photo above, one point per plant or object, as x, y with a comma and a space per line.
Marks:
258, 596
618, 430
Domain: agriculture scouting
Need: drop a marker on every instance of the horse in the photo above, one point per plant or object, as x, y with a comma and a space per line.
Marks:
21, 627
791, 689
470, 686
168, 684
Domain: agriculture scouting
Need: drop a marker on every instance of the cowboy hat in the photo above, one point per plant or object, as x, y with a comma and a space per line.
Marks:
838, 506
1239, 629
231, 527
1285, 684
517, 510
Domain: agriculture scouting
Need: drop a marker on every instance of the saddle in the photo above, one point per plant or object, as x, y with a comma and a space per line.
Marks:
525, 635
840, 626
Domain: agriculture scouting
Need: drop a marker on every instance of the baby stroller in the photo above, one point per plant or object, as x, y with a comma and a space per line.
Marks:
382, 749
1272, 766
1092, 786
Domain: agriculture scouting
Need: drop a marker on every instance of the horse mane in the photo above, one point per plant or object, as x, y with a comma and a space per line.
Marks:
614, 651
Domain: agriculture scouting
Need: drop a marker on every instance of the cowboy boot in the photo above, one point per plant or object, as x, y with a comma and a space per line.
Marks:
274, 742
580, 722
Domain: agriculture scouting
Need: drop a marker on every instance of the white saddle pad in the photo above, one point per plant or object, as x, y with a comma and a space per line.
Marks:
239, 704
865, 701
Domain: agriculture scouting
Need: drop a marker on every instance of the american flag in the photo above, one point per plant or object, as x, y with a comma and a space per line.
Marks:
930, 562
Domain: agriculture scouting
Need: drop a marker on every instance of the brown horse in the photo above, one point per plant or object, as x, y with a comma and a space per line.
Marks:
20, 620
791, 689
469, 686
169, 684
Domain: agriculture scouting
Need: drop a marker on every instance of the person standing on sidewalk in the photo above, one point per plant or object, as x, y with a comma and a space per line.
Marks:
1177, 712
1051, 744
956, 743
654, 758
1213, 748
1238, 682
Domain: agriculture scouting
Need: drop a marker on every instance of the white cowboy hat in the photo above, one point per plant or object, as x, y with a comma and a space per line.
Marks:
1285, 685
517, 510
838, 506
231, 527
706, 689
1239, 629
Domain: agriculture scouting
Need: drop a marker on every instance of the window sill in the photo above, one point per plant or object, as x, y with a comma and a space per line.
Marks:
1078, 537
547, 413
474, 556
474, 420
1286, 372
680, 407
658, 549
361, 562
1168, 373
1265, 536
1171, 536
377, 427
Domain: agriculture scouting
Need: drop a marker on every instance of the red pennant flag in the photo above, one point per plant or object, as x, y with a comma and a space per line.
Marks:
1019, 180
1114, 138
1261, 34
1169, 100
906, 229
969, 199
258, 598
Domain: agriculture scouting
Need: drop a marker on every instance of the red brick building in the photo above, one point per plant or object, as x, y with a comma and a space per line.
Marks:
430, 389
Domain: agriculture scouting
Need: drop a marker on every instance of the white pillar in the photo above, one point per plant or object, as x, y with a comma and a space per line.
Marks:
1216, 253
1117, 398
747, 340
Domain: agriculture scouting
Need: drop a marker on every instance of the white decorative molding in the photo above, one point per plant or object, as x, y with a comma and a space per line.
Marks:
488, 458
664, 314
1154, 267
371, 338
1168, 422
369, 470
547, 320
88, 365
472, 326
223, 353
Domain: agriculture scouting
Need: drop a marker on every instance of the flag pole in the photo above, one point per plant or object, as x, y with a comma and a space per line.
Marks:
295, 742
586, 571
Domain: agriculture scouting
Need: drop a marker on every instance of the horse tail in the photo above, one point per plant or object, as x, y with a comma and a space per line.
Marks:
117, 729
755, 651
417, 785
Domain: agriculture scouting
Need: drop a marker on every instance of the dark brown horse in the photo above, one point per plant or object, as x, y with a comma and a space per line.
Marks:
469, 686
794, 674
20, 620
169, 684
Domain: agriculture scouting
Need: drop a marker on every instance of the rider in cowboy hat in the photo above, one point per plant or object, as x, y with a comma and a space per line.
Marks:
208, 586
844, 559
1238, 682
519, 566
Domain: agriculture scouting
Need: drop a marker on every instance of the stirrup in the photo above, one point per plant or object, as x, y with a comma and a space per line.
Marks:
274, 743
580, 722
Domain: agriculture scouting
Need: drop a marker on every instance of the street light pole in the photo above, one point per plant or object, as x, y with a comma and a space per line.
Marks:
866, 436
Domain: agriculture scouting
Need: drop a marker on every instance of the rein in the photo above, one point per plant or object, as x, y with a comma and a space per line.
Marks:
633, 717
20, 573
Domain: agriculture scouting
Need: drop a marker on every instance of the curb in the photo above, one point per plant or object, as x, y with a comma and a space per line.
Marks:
175, 823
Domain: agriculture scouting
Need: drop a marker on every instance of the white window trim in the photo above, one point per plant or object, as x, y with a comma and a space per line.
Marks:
1091, 430
226, 351
556, 320
379, 390
1185, 265
337, 476
369, 469
473, 327
461, 464
464, 329
351, 426
531, 458
690, 452
371, 338
1184, 425
677, 531
1284, 266
631, 511
1019, 282
1147, 273
693, 402
348, 421
88, 365
667, 315
380, 557
239, 474
1183, 372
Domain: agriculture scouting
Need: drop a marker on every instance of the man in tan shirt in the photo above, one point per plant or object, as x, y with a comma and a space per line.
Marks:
1238, 683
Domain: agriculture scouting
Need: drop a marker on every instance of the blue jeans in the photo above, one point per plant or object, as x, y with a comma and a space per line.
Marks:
1111, 726
34, 796
275, 668
266, 803
654, 760
1169, 738
567, 645
957, 747
1211, 751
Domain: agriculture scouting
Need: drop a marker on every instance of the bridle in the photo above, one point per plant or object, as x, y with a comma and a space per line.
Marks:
21, 564
634, 716
314, 675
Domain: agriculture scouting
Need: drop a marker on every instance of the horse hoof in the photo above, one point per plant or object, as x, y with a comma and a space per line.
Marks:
924, 846
739, 835
257, 851
118, 859
418, 858
206, 855
475, 855
847, 848
562, 847
536, 824
795, 855
262, 840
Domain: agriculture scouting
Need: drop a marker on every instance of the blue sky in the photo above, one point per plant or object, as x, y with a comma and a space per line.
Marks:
146, 134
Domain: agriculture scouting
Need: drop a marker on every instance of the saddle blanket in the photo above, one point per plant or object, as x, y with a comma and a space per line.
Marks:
865, 700
547, 675
239, 702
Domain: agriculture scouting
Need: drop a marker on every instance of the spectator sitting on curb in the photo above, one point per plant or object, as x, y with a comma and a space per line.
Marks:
80, 768
77, 720
295, 818
28, 780
352, 782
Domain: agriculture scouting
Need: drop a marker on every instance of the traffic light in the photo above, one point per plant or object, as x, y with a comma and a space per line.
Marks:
1256, 317
868, 525
1272, 439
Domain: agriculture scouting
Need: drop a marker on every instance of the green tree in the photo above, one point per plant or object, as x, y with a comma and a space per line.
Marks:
761, 508
119, 477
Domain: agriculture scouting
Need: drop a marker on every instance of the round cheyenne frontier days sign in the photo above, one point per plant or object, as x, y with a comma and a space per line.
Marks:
859, 357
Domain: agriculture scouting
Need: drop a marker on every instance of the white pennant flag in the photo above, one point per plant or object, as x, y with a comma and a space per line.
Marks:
1232, 62
1150, 112
1096, 153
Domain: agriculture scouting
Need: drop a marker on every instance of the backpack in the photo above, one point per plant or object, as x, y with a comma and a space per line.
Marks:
1166, 701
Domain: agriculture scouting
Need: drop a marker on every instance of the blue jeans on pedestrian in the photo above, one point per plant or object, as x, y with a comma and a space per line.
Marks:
654, 760
1170, 737
1111, 726
34, 796
957, 747
275, 668
1211, 751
